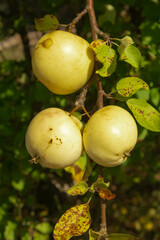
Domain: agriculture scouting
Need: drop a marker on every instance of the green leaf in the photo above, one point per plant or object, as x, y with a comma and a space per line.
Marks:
147, 116
10, 231
108, 16
26, 236
125, 42
143, 94
129, 53
79, 189
40, 236
133, 56
155, 96
18, 180
77, 115
106, 55
47, 23
89, 168
121, 236
74, 222
130, 85
44, 227
99, 184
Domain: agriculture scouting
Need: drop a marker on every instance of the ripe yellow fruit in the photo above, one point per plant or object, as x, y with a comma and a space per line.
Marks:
62, 61
54, 138
110, 135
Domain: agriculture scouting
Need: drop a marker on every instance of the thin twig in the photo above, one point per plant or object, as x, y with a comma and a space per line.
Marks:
76, 19
102, 34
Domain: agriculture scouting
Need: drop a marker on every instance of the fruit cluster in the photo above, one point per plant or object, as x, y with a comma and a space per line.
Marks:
63, 62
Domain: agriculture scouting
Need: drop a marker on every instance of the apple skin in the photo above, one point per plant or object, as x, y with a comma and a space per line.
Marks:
54, 138
110, 135
62, 61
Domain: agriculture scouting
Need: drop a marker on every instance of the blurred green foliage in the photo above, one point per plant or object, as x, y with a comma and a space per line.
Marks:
33, 198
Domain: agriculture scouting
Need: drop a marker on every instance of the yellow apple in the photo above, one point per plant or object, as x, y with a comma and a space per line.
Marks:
110, 135
54, 138
62, 61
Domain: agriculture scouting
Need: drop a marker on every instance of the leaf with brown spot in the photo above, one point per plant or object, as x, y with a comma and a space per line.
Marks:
47, 23
130, 85
78, 168
74, 222
105, 193
147, 116
106, 55
78, 189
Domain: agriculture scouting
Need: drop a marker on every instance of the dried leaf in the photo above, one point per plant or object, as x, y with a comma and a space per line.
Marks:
74, 222
106, 194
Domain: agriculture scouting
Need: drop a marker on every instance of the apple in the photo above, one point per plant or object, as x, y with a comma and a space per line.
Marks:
110, 135
54, 138
62, 61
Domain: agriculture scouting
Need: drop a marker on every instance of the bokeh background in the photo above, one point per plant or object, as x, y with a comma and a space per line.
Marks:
33, 198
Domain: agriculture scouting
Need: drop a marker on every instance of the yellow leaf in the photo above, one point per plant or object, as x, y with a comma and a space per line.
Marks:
74, 222
78, 168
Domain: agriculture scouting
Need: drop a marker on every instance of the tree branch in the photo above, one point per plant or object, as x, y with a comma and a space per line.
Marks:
100, 93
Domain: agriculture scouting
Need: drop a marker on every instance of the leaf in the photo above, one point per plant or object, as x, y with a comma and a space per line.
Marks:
77, 115
47, 23
89, 168
44, 227
155, 96
18, 180
79, 189
26, 236
10, 231
130, 85
78, 168
92, 235
105, 193
143, 94
108, 16
74, 222
99, 184
147, 116
133, 56
106, 55
125, 42
129, 53
121, 236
